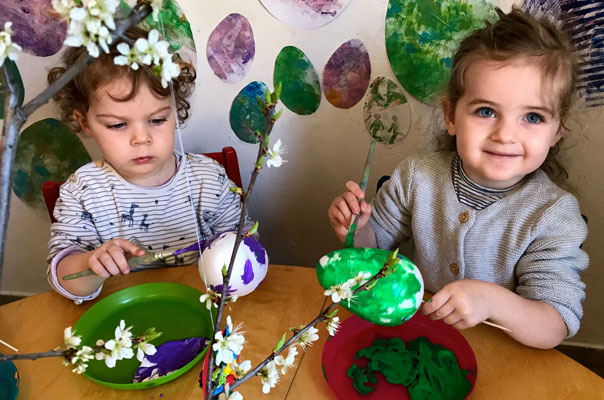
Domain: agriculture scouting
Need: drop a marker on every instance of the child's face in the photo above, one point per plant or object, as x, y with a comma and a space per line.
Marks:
504, 122
136, 136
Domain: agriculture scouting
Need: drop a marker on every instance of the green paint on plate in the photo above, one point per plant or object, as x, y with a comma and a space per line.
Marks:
394, 298
47, 150
301, 90
12, 67
422, 36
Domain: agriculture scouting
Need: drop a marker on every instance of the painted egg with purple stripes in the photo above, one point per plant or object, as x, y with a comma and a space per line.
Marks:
249, 269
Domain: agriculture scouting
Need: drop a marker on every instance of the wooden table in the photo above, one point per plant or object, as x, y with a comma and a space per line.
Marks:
289, 296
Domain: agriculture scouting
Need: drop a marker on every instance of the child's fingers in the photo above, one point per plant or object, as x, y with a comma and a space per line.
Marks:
129, 247
107, 261
119, 259
438, 300
355, 189
95, 266
351, 201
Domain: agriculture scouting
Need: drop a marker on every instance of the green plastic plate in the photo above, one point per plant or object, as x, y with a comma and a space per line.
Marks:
172, 308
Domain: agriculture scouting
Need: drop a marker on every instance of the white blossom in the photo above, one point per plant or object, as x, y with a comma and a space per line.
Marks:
70, 340
340, 292
307, 337
286, 362
240, 369
7, 47
90, 22
269, 377
144, 348
275, 155
81, 358
232, 396
333, 325
120, 347
156, 5
227, 348
360, 279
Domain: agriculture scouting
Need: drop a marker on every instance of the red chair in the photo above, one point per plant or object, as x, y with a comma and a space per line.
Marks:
227, 157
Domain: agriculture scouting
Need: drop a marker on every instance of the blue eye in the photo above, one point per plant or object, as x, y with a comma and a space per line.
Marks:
486, 112
534, 118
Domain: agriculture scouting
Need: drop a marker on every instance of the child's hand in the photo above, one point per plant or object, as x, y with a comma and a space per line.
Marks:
461, 304
343, 208
110, 258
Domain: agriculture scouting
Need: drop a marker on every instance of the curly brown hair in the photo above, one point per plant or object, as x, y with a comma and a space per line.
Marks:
77, 93
514, 36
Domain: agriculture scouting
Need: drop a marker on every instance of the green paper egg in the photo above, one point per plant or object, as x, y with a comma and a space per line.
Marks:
301, 90
394, 298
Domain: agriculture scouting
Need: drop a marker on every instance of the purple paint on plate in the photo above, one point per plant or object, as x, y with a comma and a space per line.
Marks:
248, 272
346, 75
231, 48
256, 248
169, 357
37, 27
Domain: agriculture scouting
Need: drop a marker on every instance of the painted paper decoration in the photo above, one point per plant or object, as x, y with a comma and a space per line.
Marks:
47, 150
386, 112
246, 116
231, 48
249, 268
310, 14
346, 75
172, 24
583, 22
12, 67
422, 35
394, 298
36, 27
301, 90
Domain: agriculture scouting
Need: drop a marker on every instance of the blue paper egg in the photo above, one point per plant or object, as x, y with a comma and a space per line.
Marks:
249, 269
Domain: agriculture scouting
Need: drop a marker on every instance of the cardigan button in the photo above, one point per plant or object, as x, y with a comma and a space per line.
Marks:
464, 217
454, 268
100, 163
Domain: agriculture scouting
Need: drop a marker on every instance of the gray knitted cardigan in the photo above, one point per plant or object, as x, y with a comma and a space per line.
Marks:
527, 242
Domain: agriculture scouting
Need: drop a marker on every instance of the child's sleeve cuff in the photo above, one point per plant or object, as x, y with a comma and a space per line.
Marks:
53, 280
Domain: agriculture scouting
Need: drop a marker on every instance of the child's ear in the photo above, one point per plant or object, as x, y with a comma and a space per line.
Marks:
449, 116
82, 121
557, 137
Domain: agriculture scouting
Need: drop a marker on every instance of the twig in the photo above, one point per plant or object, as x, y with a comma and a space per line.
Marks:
269, 121
31, 356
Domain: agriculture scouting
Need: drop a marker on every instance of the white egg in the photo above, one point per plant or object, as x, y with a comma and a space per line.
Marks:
249, 269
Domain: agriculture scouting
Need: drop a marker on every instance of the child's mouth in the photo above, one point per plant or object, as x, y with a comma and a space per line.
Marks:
142, 160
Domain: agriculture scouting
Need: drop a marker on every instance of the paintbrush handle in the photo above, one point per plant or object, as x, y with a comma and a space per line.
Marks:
349, 242
132, 262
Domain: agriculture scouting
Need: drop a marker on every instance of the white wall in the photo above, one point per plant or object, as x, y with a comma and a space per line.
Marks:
326, 149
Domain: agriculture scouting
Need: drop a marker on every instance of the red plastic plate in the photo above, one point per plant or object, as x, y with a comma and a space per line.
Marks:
356, 333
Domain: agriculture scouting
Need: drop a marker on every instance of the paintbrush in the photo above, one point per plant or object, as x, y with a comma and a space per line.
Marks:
486, 322
143, 261
349, 242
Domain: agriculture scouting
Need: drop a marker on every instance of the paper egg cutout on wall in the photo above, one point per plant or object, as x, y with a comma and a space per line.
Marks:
47, 150
231, 48
305, 14
394, 298
346, 75
300, 87
36, 26
421, 37
386, 112
249, 269
246, 117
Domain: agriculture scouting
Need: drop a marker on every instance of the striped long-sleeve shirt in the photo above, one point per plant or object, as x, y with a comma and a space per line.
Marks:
96, 205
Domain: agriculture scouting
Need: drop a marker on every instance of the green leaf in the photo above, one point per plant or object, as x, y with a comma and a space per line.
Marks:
150, 334
261, 104
253, 230
224, 270
267, 95
276, 117
260, 162
277, 93
333, 313
279, 343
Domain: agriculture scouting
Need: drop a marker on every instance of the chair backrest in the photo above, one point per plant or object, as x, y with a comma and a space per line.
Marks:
227, 157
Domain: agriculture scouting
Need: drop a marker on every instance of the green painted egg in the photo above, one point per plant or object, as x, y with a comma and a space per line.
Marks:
394, 298
301, 90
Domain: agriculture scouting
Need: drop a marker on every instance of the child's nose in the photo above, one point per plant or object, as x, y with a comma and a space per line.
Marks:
140, 135
504, 131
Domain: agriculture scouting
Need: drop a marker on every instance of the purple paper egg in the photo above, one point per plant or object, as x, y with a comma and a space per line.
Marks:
249, 269
307, 14
231, 48
37, 27
346, 75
